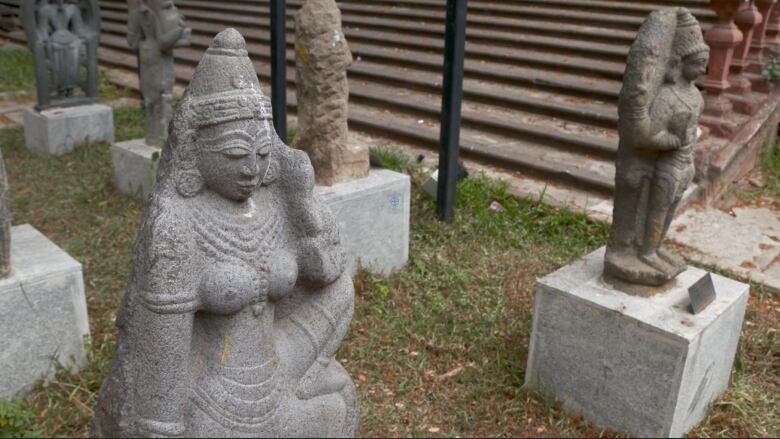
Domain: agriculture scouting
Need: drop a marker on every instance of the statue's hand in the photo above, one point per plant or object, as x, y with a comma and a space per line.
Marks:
665, 141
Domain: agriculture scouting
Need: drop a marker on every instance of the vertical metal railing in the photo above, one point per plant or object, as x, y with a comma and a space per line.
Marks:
452, 97
279, 66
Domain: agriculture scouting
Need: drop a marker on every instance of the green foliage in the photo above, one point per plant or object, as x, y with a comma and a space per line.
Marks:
391, 158
771, 71
291, 133
16, 420
16, 71
128, 123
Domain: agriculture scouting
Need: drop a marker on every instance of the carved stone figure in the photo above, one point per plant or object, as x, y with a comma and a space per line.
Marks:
155, 27
322, 58
63, 36
237, 299
5, 222
659, 109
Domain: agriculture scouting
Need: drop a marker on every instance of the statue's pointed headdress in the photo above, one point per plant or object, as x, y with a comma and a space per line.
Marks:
224, 87
688, 38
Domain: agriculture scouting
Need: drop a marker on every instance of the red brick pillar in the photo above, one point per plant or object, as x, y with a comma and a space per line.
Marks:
773, 27
760, 46
747, 19
722, 38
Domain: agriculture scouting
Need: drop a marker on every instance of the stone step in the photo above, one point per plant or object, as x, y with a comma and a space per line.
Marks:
588, 171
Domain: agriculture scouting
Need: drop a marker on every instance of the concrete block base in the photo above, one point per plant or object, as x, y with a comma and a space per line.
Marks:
135, 167
57, 131
643, 366
373, 216
43, 312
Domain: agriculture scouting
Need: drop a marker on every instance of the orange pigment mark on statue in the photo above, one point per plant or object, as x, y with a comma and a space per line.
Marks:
225, 349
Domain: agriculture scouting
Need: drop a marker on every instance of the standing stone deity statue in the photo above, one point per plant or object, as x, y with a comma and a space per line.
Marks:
238, 298
5, 222
154, 28
659, 109
63, 36
321, 61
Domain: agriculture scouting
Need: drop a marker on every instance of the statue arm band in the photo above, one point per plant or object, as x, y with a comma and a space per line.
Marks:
160, 428
178, 303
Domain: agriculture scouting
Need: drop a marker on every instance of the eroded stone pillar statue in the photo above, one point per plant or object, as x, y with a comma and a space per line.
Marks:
5, 222
321, 61
238, 298
63, 36
154, 28
659, 109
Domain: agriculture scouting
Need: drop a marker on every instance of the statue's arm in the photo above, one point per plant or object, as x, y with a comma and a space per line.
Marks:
321, 257
163, 382
165, 313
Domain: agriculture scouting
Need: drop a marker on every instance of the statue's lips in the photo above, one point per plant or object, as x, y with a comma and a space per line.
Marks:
248, 186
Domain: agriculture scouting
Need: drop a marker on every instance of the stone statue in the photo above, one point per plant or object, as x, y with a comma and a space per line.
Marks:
155, 27
5, 222
659, 109
63, 36
321, 61
238, 298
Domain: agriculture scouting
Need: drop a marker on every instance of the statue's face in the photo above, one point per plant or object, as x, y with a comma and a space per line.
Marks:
695, 65
234, 157
169, 16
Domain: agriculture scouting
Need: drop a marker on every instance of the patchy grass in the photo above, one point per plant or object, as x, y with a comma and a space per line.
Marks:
436, 349
391, 159
17, 74
16, 71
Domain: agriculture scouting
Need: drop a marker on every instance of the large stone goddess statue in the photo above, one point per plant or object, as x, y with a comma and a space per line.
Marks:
237, 299
659, 109
63, 37
154, 28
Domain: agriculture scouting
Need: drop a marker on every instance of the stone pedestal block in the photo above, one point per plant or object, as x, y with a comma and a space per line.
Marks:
135, 167
373, 216
43, 312
645, 366
58, 130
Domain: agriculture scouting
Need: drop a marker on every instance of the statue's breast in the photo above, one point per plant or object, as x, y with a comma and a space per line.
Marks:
243, 262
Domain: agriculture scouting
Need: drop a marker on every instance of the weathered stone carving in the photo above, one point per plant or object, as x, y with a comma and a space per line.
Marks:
155, 27
659, 109
5, 222
238, 299
322, 58
63, 36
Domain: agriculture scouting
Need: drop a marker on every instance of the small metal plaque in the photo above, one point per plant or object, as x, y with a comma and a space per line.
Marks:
702, 293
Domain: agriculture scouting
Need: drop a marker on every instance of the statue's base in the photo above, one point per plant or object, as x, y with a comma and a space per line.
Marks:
57, 131
135, 167
43, 312
644, 366
373, 218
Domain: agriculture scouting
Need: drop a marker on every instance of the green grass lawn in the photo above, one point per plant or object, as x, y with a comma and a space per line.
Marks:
438, 348
17, 74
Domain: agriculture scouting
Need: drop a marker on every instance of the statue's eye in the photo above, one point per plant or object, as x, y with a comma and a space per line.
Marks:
235, 153
263, 147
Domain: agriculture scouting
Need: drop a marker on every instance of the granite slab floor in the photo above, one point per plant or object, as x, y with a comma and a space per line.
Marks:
743, 240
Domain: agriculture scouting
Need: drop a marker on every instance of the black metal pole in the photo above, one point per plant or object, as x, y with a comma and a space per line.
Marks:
452, 96
279, 67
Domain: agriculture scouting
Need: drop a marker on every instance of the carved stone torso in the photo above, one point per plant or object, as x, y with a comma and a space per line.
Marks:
238, 299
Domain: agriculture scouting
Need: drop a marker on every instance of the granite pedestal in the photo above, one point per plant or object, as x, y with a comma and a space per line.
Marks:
43, 312
373, 217
57, 131
135, 167
644, 366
